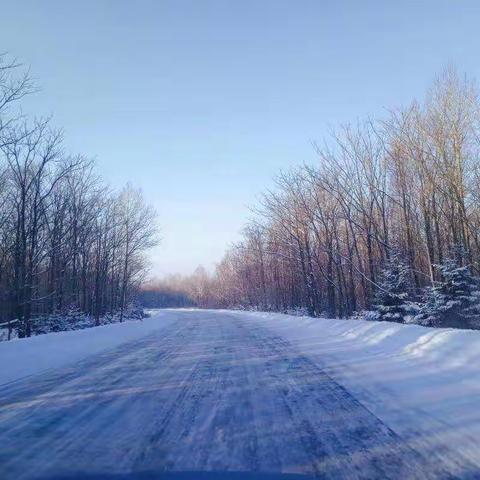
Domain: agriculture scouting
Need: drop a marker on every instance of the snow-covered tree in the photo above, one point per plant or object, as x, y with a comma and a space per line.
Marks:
391, 300
453, 301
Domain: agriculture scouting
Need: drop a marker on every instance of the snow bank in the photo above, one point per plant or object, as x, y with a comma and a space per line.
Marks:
27, 356
423, 382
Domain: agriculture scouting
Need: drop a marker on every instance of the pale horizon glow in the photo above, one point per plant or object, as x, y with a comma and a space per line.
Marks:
200, 104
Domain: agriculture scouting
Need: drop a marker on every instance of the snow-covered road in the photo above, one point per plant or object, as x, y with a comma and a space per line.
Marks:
210, 392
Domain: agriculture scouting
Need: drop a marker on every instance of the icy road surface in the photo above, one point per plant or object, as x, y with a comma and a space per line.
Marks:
212, 392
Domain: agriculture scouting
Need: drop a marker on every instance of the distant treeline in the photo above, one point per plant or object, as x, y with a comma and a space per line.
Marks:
67, 241
176, 291
160, 298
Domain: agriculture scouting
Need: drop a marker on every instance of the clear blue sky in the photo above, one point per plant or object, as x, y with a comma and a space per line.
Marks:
200, 103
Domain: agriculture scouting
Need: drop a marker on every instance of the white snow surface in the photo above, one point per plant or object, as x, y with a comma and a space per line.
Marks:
422, 382
28, 356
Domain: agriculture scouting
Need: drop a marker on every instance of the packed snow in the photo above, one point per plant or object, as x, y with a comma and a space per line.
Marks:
223, 391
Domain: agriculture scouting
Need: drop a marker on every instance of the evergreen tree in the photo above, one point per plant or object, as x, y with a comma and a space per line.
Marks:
453, 301
391, 302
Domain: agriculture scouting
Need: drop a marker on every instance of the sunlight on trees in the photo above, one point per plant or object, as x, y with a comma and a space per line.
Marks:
403, 187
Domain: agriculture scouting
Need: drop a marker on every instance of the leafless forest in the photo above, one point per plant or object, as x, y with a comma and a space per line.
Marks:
388, 219
67, 241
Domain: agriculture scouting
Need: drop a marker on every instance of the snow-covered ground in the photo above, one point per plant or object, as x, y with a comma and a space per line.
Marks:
22, 357
422, 382
222, 391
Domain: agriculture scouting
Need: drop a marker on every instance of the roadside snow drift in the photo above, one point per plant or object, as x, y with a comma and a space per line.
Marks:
22, 357
423, 382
